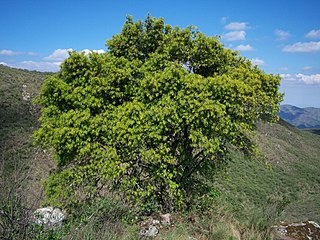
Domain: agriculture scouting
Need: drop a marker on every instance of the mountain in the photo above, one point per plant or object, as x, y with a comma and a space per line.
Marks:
301, 117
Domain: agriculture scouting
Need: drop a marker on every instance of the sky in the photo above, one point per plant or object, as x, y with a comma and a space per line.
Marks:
280, 36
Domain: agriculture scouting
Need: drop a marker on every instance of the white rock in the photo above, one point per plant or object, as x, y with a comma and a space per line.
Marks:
151, 231
166, 219
314, 224
282, 230
297, 224
155, 222
48, 216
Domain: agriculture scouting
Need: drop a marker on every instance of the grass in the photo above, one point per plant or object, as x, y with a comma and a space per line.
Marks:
18, 116
288, 177
17, 122
283, 184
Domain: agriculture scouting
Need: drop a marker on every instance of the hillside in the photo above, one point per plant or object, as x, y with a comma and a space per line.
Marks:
18, 115
286, 176
301, 117
18, 119
283, 183
17, 89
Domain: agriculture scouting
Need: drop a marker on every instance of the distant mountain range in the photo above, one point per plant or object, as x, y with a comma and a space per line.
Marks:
301, 117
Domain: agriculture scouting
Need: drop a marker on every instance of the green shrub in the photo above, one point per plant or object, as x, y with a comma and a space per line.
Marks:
152, 117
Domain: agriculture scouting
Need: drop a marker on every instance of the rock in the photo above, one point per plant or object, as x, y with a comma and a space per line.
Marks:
150, 231
150, 221
166, 219
314, 224
50, 216
155, 222
25, 95
280, 230
297, 231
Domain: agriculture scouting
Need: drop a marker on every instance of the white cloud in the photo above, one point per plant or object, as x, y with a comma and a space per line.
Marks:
236, 26
61, 54
288, 77
282, 35
52, 63
257, 61
100, 51
9, 52
302, 47
58, 55
244, 48
87, 51
308, 79
38, 66
313, 34
13, 53
235, 36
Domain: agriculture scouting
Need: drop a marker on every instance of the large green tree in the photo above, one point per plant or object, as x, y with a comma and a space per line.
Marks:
150, 117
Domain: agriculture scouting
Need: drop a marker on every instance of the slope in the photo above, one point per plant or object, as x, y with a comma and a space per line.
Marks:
18, 116
284, 184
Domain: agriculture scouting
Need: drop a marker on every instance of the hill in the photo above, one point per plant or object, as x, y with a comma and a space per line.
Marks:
17, 89
301, 117
18, 115
18, 119
282, 183
286, 175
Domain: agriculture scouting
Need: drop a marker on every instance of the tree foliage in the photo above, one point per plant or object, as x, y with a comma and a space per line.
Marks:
152, 115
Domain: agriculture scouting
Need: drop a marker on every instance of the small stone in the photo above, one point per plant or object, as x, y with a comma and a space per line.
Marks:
166, 219
155, 222
150, 231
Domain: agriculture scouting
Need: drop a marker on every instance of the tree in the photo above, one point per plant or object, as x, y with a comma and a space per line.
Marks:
150, 117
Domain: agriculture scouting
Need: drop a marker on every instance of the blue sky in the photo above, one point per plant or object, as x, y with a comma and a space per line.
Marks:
282, 37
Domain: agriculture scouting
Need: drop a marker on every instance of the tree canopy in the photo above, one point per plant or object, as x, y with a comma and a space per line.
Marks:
148, 118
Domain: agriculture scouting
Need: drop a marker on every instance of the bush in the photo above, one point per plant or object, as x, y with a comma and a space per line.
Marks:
152, 117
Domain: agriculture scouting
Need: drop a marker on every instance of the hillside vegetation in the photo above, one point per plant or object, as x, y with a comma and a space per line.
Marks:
19, 193
18, 117
301, 117
287, 174
245, 200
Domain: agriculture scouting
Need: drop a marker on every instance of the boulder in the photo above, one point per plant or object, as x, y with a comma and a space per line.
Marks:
150, 231
297, 231
50, 216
